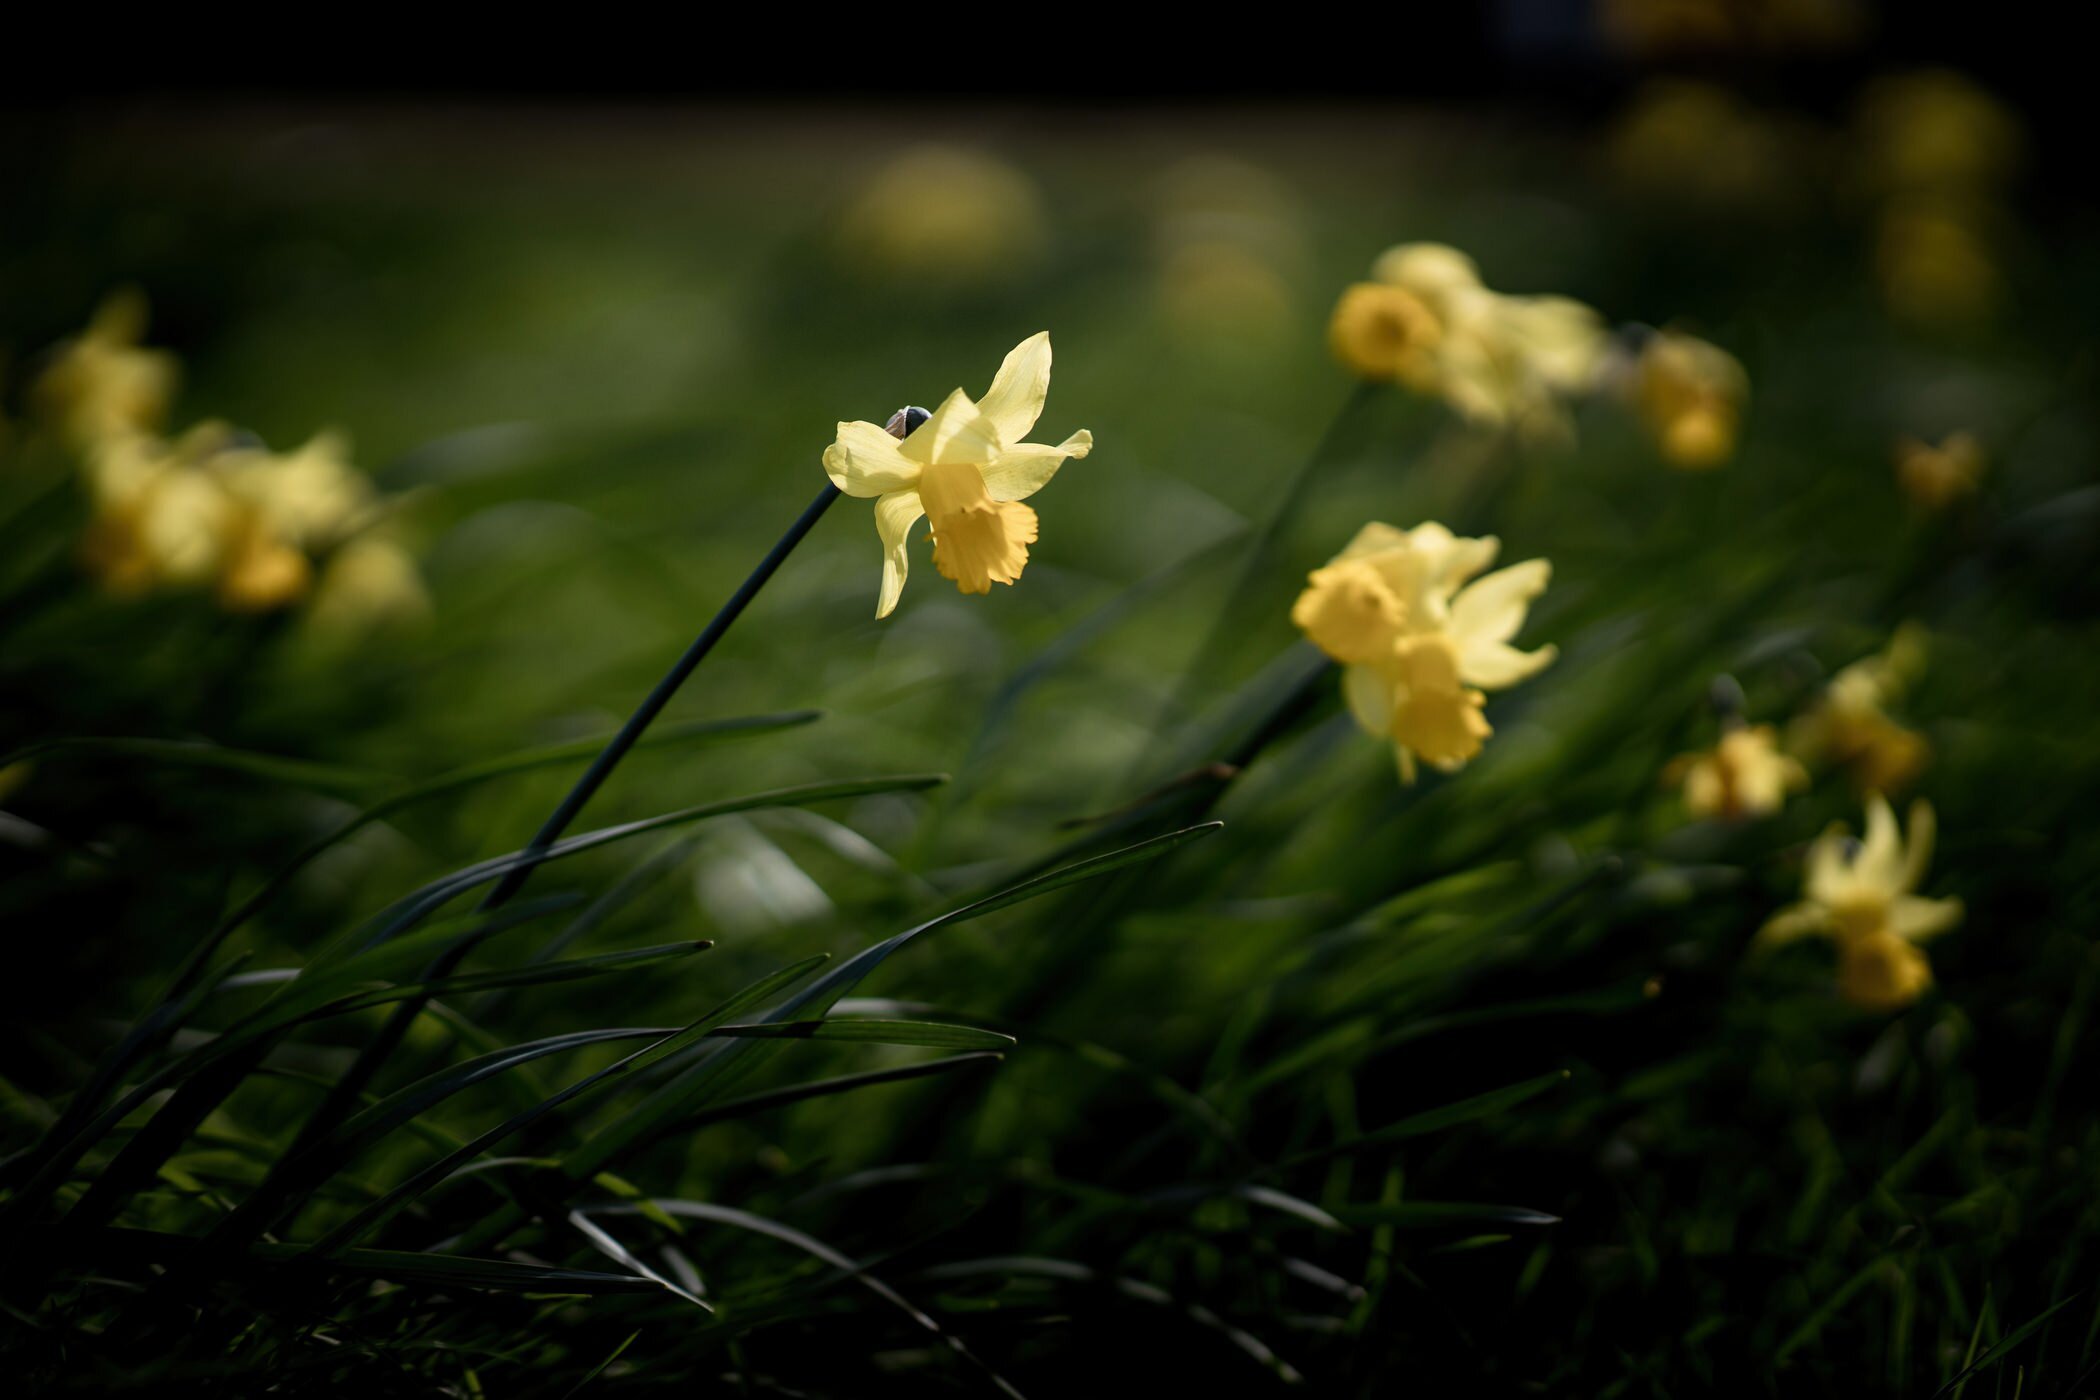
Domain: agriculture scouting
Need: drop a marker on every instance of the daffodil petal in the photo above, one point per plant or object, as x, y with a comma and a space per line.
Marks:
1916, 919
865, 461
1492, 608
957, 432
1370, 698
895, 514
1495, 665
1791, 923
1879, 864
1026, 468
1015, 400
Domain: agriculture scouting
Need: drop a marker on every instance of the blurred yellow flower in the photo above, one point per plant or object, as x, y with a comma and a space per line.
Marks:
13, 777
1849, 726
1425, 321
1936, 476
1863, 896
944, 214
1745, 775
1936, 132
369, 583
1383, 332
1682, 141
102, 384
964, 467
1420, 643
1230, 241
1934, 263
158, 518
1690, 395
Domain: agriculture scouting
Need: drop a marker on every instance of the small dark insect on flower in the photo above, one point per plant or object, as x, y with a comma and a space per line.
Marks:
904, 420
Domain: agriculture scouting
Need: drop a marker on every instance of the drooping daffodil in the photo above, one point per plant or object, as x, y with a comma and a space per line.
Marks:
965, 467
1863, 896
1419, 643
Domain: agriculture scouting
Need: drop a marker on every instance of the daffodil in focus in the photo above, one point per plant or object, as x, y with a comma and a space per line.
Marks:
1863, 896
1849, 725
965, 468
1690, 396
103, 384
1418, 642
1935, 476
1745, 775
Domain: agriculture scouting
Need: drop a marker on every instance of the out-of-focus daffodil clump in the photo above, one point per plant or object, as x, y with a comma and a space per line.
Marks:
213, 509
652, 971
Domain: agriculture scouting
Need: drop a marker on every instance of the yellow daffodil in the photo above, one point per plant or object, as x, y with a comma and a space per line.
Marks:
1425, 321
1418, 642
290, 505
1383, 332
964, 467
1745, 775
103, 385
1933, 258
1690, 396
1937, 476
158, 518
1862, 895
1849, 725
1936, 132
368, 584
944, 214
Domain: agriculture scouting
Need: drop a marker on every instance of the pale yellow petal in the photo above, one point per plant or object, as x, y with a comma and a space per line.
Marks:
1919, 919
1015, 400
895, 514
957, 432
1492, 608
1369, 696
865, 461
1793, 922
1496, 665
1026, 468
1879, 864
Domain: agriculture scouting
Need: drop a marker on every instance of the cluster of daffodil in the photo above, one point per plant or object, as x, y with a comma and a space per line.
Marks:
1862, 895
1847, 727
965, 468
1425, 321
1418, 643
212, 509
